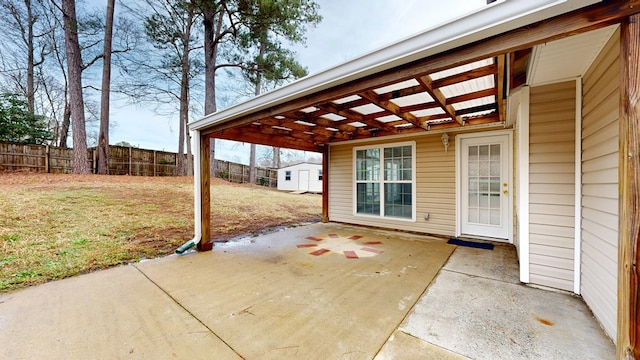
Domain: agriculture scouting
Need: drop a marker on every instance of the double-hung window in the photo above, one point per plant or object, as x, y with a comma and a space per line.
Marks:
385, 180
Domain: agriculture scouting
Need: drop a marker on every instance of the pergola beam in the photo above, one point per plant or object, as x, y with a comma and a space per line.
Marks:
391, 107
401, 93
466, 75
439, 98
254, 137
293, 125
471, 96
418, 107
356, 117
480, 120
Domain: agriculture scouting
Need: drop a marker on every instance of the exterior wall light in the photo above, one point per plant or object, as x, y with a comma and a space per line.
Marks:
445, 141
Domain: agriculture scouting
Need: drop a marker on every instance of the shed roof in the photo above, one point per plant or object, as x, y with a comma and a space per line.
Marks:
415, 85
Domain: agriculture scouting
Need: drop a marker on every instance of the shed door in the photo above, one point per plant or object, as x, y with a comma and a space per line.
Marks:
485, 186
303, 180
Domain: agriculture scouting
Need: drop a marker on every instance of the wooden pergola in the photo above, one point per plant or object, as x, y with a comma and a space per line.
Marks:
458, 89
422, 100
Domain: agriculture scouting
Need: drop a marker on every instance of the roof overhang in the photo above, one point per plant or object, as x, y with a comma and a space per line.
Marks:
449, 76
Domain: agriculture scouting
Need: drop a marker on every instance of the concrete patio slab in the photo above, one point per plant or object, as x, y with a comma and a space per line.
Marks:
111, 314
476, 312
324, 291
317, 292
500, 264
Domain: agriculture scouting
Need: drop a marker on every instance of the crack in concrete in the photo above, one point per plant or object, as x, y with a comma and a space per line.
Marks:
189, 312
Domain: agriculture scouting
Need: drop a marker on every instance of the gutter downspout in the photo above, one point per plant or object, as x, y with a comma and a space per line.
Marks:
197, 197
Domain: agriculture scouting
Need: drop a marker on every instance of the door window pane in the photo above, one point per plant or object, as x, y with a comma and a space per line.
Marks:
483, 184
483, 216
494, 184
473, 215
484, 201
495, 217
473, 200
495, 201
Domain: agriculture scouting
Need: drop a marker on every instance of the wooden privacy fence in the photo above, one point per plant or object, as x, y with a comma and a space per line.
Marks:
35, 158
138, 162
122, 161
239, 173
51, 159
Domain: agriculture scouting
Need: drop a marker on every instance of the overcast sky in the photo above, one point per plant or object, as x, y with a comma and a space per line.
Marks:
350, 28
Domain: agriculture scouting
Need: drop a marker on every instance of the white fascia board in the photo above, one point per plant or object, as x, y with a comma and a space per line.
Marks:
485, 22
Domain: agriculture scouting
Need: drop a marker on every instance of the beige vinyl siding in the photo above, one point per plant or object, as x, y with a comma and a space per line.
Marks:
599, 268
435, 187
552, 184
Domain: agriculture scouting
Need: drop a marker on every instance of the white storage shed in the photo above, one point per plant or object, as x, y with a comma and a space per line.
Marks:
301, 177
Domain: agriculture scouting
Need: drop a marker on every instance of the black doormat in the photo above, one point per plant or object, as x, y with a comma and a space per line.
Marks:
470, 244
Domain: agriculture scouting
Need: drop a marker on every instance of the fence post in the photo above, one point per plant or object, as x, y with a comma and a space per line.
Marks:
154, 163
46, 160
129, 160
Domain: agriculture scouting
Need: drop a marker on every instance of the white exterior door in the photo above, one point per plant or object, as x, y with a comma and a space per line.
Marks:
303, 180
485, 186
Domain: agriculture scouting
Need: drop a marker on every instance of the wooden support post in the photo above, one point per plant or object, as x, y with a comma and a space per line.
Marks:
129, 160
205, 243
154, 163
628, 337
325, 184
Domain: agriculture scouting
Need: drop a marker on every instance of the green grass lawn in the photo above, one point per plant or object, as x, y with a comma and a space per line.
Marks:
56, 226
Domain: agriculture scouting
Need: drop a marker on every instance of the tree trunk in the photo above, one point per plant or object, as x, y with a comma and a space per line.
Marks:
74, 64
103, 137
252, 164
252, 155
276, 157
30, 60
184, 95
181, 135
189, 153
212, 25
64, 127
212, 29
60, 61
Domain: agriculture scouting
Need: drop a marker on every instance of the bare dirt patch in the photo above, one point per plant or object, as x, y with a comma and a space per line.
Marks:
56, 226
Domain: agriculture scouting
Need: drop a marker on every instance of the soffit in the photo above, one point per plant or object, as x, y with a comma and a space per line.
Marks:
567, 58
